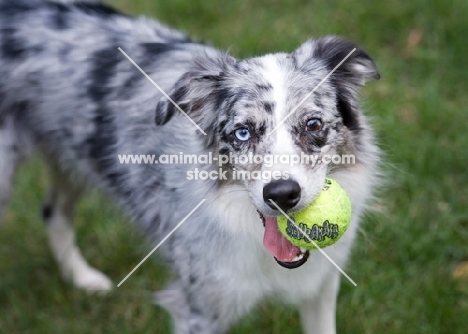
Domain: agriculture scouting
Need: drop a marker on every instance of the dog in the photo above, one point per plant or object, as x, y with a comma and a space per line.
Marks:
69, 90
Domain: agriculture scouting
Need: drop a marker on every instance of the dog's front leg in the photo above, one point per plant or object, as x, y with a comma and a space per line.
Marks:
318, 314
58, 216
189, 317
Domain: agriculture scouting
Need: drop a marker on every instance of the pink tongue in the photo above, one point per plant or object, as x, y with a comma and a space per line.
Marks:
277, 244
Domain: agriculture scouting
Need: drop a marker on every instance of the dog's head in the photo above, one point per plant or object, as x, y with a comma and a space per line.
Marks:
279, 107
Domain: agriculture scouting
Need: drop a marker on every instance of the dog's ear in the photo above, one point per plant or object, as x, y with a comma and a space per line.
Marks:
197, 91
347, 78
357, 69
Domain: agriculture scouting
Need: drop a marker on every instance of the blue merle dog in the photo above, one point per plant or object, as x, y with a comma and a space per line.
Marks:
67, 92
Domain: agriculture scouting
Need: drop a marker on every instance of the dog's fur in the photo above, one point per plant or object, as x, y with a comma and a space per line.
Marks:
67, 91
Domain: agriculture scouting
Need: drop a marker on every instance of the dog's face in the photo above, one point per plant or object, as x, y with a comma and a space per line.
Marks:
269, 112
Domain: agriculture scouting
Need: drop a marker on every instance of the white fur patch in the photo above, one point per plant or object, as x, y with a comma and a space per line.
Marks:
277, 77
72, 264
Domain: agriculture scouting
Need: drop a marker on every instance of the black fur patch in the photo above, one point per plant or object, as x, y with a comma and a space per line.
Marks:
59, 10
333, 52
19, 108
164, 112
261, 129
347, 113
166, 109
60, 16
102, 151
156, 49
102, 144
268, 106
318, 103
224, 150
150, 54
105, 63
346, 110
12, 47
193, 279
47, 212
222, 126
12, 8
222, 95
264, 87
104, 137
310, 142
97, 8
321, 139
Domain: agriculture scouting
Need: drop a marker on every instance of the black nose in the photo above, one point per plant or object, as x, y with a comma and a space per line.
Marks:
285, 193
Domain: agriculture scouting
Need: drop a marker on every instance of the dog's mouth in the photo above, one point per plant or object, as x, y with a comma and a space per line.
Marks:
285, 253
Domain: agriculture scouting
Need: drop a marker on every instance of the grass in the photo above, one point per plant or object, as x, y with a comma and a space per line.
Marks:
414, 239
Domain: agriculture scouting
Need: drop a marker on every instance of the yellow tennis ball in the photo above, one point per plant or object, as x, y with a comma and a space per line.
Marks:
324, 221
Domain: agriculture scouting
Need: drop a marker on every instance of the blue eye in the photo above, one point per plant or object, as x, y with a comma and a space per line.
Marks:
242, 134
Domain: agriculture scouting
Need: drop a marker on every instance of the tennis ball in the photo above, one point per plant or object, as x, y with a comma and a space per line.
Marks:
324, 221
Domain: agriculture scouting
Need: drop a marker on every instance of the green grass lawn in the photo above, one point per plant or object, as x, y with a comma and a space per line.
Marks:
411, 243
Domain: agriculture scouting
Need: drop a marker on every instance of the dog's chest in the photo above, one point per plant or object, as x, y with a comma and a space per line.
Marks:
250, 271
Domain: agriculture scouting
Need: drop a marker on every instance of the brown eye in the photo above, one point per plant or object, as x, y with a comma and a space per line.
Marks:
314, 124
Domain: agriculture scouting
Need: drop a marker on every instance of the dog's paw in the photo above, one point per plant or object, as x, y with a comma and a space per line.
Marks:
91, 280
